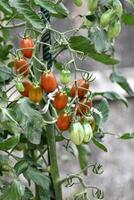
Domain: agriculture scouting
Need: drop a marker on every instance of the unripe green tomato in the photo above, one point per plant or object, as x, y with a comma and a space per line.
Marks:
76, 133
88, 133
117, 5
65, 76
19, 86
78, 2
114, 30
92, 5
106, 18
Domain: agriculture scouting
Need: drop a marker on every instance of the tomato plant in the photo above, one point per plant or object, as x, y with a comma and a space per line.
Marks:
56, 105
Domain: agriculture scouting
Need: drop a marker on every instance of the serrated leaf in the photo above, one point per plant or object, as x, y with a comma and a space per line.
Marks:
83, 44
5, 8
14, 192
99, 144
104, 109
20, 167
128, 18
53, 7
83, 156
23, 8
39, 178
30, 119
127, 136
110, 95
5, 74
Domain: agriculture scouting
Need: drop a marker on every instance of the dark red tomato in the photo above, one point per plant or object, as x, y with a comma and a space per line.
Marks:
60, 100
35, 94
84, 106
64, 121
27, 86
83, 87
27, 45
48, 82
21, 66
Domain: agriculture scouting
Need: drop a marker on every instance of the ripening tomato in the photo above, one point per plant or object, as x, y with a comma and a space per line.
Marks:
60, 100
21, 66
64, 121
27, 45
83, 106
76, 133
83, 87
35, 94
48, 82
27, 86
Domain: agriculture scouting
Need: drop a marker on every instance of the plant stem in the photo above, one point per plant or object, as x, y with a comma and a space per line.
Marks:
53, 162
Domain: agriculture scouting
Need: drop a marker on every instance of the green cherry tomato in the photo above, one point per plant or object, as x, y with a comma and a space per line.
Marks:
78, 2
117, 5
88, 133
65, 76
76, 133
106, 18
114, 30
92, 5
19, 86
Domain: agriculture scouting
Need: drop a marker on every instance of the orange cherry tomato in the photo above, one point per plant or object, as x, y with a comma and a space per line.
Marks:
35, 94
60, 100
83, 87
64, 121
27, 86
48, 82
27, 45
83, 106
21, 66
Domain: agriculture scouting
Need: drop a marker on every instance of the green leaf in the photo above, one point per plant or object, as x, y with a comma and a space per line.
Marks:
83, 156
127, 136
110, 95
30, 119
52, 7
128, 18
5, 8
5, 74
13, 192
20, 167
5, 49
9, 143
104, 109
23, 8
122, 81
39, 178
27, 194
99, 144
83, 44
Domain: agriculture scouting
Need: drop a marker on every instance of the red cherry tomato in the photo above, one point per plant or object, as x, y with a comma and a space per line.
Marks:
83, 87
35, 94
48, 82
27, 45
64, 121
84, 106
60, 100
27, 86
21, 66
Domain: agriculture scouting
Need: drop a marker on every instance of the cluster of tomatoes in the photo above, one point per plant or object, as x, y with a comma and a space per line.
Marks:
71, 106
